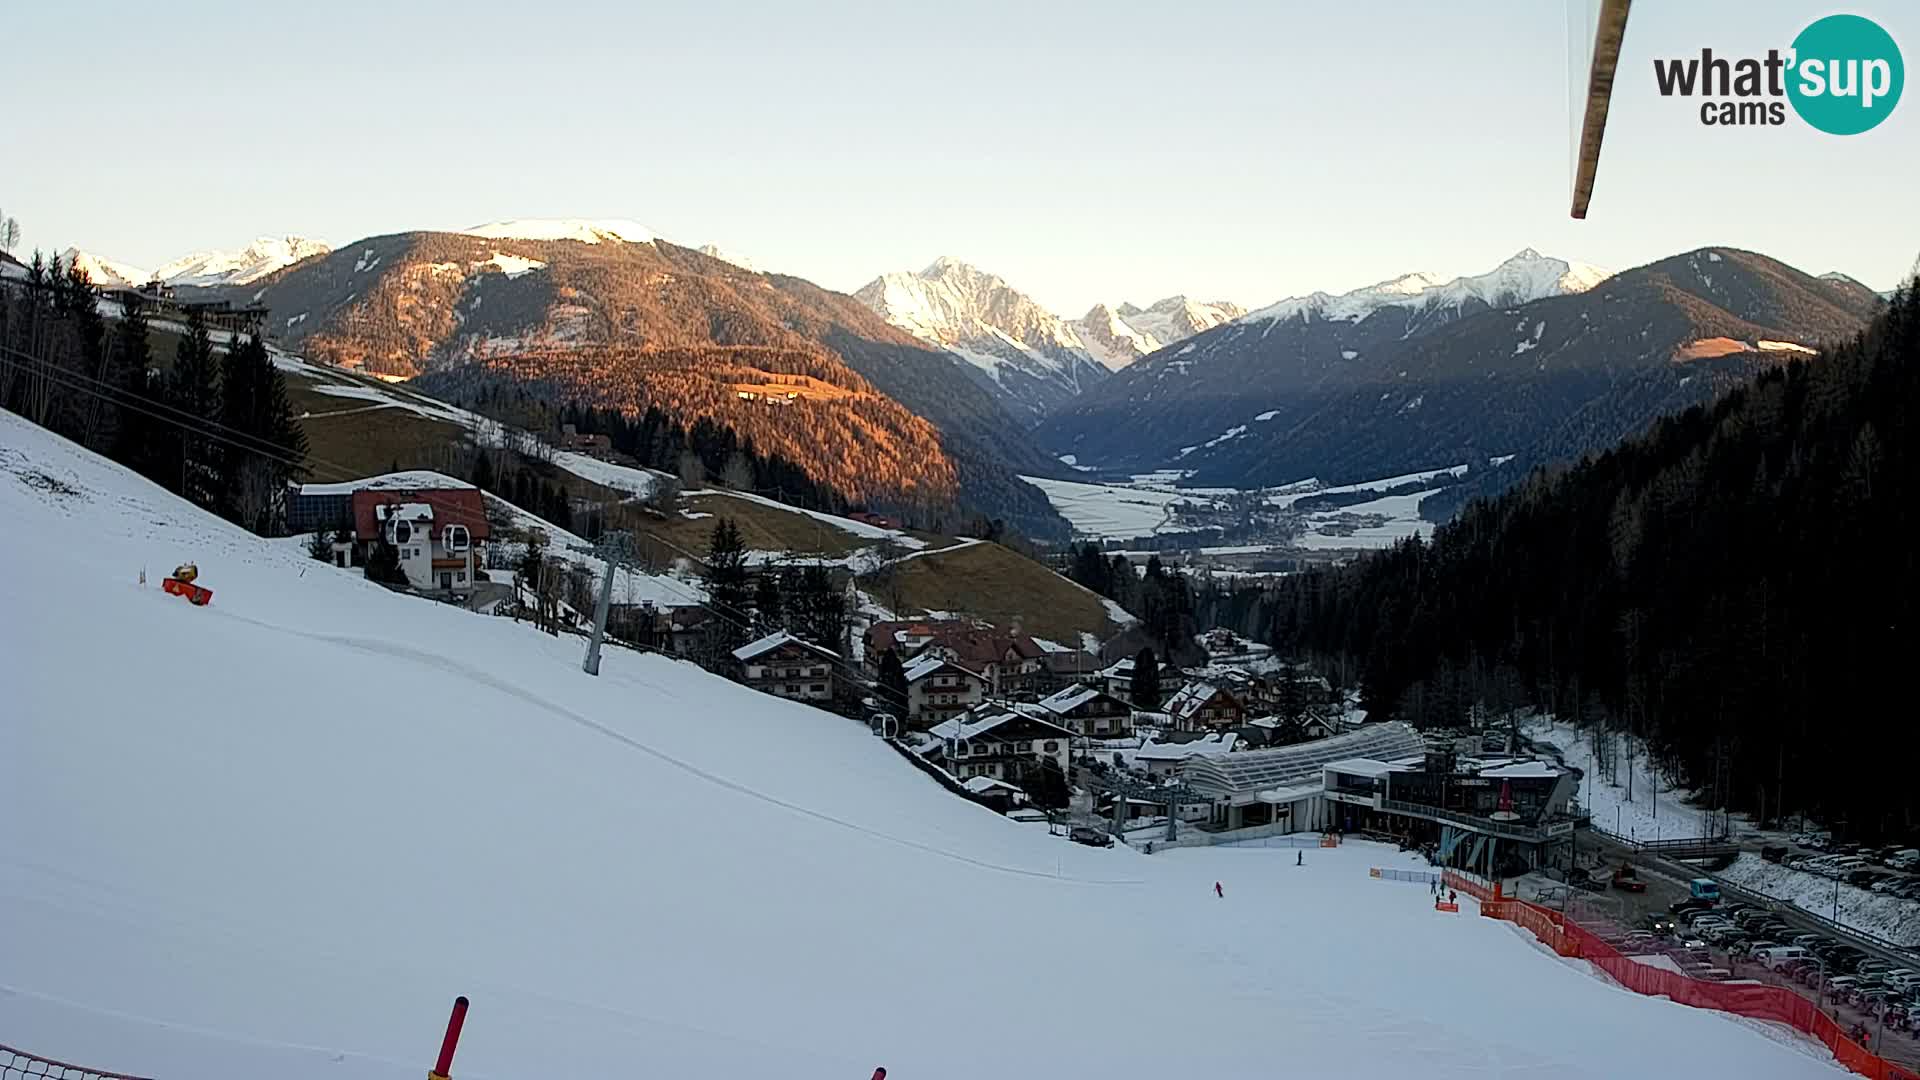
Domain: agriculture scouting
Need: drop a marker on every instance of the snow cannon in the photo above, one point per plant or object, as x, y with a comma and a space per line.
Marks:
181, 583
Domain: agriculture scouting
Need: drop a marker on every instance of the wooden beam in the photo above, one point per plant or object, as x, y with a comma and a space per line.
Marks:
1606, 56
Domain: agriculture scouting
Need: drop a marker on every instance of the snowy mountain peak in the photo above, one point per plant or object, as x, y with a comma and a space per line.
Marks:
262, 257
104, 271
1525, 277
1027, 353
585, 230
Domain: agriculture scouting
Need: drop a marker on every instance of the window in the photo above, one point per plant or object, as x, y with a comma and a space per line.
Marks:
818, 688
460, 576
1052, 746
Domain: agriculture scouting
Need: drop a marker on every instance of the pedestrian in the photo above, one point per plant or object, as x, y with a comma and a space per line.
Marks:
1299, 858
1218, 891
1452, 897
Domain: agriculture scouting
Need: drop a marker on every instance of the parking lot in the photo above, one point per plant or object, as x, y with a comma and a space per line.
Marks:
1617, 913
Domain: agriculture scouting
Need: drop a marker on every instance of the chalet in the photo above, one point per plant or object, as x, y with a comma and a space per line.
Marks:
1008, 662
1090, 711
785, 666
1202, 705
998, 743
939, 689
432, 531
1061, 668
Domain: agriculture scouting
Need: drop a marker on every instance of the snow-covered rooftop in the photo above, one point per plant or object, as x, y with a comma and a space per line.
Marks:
1360, 767
774, 641
1071, 698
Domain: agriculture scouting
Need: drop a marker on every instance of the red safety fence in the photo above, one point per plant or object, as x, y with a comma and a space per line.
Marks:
20, 1065
1756, 1000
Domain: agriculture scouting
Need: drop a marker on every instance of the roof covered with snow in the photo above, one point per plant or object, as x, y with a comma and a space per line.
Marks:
775, 640
1213, 745
979, 722
1065, 701
927, 663
1247, 772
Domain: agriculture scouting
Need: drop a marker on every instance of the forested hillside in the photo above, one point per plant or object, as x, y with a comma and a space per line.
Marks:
1738, 585
634, 326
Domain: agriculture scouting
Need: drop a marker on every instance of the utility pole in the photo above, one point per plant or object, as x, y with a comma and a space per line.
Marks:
615, 547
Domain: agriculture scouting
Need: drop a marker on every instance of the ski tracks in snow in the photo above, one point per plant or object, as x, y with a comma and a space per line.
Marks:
382, 647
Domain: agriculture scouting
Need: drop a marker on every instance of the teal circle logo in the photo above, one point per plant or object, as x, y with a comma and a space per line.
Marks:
1846, 75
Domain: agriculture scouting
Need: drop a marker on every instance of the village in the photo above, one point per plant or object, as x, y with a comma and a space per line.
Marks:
1101, 741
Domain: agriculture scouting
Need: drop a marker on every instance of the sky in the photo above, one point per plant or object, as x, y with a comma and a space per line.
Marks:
1085, 152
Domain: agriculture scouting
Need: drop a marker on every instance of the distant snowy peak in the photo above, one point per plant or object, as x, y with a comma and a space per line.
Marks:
1117, 336
103, 271
251, 263
714, 251
585, 230
953, 303
1030, 357
1177, 318
1111, 338
1525, 277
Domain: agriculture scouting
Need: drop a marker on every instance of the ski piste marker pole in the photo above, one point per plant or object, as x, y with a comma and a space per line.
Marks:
443, 1066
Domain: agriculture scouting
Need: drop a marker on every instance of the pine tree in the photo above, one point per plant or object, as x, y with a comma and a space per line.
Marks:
1146, 680
769, 613
893, 684
138, 434
193, 465
826, 608
727, 588
268, 440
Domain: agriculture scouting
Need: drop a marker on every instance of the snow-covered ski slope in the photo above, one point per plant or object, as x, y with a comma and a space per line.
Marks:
275, 836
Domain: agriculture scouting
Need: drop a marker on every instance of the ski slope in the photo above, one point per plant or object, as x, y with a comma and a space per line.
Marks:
275, 836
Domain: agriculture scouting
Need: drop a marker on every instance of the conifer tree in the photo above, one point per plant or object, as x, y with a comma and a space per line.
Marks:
727, 588
193, 466
138, 433
769, 614
1146, 680
893, 684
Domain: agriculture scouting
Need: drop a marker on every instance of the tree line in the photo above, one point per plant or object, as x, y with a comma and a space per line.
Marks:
214, 426
1736, 587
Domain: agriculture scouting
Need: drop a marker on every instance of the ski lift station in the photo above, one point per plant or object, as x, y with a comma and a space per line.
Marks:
1476, 812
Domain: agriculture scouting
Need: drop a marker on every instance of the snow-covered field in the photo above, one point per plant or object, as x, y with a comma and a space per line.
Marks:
1110, 511
275, 836
1875, 913
1145, 508
1654, 812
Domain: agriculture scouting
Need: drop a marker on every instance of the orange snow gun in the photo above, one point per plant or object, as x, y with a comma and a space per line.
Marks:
181, 583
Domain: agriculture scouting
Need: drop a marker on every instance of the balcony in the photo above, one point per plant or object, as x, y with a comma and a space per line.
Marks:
1553, 828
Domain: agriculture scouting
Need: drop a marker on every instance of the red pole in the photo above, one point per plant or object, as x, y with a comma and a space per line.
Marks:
444, 1067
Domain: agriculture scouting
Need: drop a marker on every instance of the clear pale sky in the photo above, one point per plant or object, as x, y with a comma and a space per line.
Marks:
1119, 150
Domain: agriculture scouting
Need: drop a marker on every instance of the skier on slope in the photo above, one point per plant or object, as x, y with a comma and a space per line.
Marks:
880, 1073
1299, 858
1218, 891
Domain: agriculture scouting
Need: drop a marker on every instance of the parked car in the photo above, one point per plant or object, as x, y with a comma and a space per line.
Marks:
1090, 836
1774, 956
1904, 859
1774, 853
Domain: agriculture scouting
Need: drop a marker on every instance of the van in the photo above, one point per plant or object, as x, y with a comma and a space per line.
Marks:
1773, 956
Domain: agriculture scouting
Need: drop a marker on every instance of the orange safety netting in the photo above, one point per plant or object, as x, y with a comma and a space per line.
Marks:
1762, 1002
20, 1065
